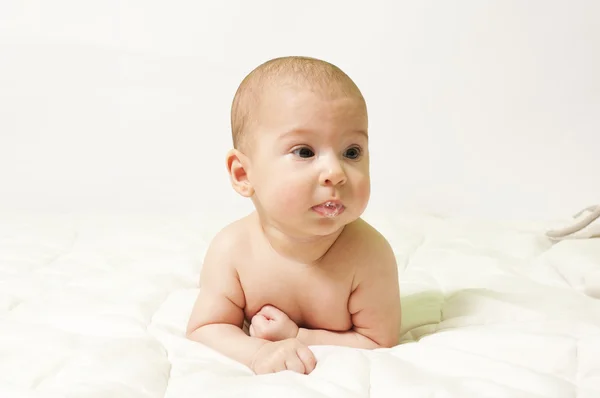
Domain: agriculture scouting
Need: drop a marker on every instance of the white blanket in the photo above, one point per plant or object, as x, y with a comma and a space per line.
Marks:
96, 306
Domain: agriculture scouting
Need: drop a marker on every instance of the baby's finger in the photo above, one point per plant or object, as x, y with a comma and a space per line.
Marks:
261, 327
307, 357
270, 312
259, 322
278, 366
251, 330
294, 364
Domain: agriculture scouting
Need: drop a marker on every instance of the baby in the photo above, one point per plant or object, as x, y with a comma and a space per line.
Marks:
303, 269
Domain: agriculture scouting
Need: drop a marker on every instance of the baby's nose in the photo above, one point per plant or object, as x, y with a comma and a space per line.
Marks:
333, 175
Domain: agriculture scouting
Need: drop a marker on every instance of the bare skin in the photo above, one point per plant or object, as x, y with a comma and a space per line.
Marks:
349, 297
303, 269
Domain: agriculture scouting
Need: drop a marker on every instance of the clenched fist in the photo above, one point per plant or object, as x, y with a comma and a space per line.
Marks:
272, 324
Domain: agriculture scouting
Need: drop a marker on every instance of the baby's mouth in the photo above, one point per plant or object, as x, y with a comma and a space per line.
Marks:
329, 209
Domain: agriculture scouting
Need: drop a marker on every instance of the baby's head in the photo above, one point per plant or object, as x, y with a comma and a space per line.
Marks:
300, 135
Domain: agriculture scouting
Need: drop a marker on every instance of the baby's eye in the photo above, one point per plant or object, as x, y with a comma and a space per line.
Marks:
304, 152
352, 153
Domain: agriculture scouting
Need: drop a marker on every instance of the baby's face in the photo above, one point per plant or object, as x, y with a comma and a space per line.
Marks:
310, 161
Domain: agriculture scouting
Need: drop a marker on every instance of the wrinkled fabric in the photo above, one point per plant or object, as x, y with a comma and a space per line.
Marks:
97, 306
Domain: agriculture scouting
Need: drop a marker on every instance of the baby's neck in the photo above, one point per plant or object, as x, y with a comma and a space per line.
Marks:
305, 250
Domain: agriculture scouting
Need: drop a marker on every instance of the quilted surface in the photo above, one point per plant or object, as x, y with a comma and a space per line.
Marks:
96, 306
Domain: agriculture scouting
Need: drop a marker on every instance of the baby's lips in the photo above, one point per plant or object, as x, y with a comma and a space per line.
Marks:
330, 205
330, 208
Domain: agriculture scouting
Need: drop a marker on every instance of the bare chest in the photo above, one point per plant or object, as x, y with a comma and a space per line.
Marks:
312, 297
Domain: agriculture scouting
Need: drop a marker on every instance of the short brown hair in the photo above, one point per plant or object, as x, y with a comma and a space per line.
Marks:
295, 69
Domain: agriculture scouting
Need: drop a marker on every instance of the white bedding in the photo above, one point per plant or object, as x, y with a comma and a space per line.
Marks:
96, 306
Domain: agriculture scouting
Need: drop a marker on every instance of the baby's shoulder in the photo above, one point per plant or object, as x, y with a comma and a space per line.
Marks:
366, 246
363, 237
370, 252
234, 234
231, 240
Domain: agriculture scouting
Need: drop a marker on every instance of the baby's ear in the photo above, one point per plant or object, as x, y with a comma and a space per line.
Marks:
237, 167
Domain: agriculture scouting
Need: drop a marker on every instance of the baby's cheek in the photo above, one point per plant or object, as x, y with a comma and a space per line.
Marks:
287, 197
363, 192
291, 200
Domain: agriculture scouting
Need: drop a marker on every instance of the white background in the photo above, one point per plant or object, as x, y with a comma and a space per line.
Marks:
480, 108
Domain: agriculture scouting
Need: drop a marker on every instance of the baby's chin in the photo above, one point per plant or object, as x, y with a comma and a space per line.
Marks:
313, 224
324, 226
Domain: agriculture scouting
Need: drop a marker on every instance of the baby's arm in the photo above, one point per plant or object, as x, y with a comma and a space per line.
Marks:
374, 305
217, 316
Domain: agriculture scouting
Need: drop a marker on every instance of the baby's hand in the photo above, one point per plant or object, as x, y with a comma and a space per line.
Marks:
288, 354
272, 324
